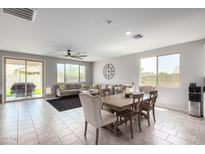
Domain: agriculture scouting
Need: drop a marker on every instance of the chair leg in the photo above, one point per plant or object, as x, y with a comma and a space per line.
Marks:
115, 126
148, 119
153, 111
97, 135
86, 126
131, 130
139, 122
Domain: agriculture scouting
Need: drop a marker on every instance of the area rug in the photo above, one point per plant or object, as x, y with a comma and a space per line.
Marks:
65, 103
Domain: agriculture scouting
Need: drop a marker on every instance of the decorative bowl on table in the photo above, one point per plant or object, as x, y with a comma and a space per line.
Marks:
129, 92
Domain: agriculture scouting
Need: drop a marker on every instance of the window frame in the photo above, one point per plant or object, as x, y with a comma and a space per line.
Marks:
65, 80
63, 72
64, 65
155, 66
85, 74
157, 69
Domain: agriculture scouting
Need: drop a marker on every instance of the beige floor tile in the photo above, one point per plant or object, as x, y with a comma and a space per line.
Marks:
27, 138
69, 139
159, 141
45, 136
169, 130
176, 140
52, 141
160, 134
37, 122
188, 137
63, 132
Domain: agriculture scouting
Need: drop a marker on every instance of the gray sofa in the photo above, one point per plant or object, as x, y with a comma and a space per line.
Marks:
67, 89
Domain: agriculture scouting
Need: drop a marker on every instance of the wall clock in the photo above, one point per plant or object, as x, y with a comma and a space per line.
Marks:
109, 71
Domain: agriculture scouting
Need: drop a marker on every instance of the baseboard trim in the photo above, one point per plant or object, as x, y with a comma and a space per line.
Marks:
173, 108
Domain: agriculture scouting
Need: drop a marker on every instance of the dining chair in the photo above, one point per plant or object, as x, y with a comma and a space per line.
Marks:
150, 105
133, 111
105, 92
93, 113
146, 89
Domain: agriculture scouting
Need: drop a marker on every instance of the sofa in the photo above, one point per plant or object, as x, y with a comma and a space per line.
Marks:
67, 89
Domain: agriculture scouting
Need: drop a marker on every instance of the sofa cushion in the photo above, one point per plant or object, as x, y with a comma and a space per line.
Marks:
72, 86
61, 87
95, 86
69, 92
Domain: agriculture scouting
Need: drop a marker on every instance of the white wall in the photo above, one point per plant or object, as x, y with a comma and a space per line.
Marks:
192, 70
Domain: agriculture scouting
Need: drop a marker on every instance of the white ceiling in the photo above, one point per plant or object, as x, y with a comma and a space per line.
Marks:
85, 30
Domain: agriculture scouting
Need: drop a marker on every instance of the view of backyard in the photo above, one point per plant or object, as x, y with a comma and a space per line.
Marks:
161, 71
23, 79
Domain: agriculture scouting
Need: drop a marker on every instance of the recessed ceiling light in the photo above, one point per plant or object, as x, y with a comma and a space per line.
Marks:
128, 33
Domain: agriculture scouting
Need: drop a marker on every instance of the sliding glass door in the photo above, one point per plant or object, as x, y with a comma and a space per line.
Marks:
24, 79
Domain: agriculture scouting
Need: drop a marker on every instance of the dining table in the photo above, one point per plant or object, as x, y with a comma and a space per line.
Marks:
119, 103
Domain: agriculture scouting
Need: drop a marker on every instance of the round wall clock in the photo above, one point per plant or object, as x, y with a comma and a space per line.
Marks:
109, 71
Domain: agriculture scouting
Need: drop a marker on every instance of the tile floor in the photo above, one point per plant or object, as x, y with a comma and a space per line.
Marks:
37, 122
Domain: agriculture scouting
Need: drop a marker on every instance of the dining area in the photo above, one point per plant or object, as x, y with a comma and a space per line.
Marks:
111, 111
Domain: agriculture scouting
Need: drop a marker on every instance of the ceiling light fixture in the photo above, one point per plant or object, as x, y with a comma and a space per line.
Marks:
128, 33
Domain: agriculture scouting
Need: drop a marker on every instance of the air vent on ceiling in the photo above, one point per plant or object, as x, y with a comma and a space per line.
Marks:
138, 36
25, 13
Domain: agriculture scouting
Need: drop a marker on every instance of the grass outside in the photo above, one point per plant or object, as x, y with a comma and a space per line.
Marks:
36, 91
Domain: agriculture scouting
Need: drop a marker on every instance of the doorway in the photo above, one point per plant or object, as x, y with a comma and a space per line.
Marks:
23, 79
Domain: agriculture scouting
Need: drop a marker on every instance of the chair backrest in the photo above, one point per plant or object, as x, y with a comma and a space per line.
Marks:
105, 92
153, 97
92, 106
146, 89
137, 102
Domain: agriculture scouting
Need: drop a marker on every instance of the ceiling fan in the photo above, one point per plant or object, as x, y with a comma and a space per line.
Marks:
77, 55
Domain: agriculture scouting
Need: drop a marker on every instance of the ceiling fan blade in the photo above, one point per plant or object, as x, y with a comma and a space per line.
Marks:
75, 53
76, 57
79, 55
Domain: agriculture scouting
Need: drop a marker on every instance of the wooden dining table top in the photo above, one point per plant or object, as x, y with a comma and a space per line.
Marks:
119, 102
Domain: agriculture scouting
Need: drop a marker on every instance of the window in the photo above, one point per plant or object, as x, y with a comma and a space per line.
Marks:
161, 71
168, 70
60, 73
148, 75
82, 73
70, 73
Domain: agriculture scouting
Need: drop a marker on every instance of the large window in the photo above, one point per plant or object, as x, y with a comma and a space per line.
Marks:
82, 73
148, 74
70, 73
60, 74
23, 79
161, 71
168, 70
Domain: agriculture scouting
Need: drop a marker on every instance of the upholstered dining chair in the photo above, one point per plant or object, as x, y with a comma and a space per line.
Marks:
134, 110
150, 105
93, 113
146, 89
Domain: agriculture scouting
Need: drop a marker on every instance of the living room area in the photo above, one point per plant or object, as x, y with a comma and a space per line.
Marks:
102, 76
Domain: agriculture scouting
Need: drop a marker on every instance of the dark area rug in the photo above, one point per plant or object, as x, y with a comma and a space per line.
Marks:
65, 103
